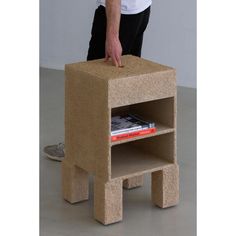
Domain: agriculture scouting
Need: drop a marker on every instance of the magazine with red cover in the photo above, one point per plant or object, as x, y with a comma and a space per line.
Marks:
133, 134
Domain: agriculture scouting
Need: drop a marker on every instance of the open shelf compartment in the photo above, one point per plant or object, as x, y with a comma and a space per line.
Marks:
159, 111
142, 156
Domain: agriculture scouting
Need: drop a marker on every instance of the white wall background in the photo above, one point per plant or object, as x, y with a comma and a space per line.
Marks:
169, 39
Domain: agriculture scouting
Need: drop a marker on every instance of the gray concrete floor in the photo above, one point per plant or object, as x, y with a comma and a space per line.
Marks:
140, 217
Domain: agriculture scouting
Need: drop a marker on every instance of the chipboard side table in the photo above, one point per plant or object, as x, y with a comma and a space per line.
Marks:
94, 92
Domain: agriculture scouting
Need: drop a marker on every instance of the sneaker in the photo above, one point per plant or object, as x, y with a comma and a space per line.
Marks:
55, 152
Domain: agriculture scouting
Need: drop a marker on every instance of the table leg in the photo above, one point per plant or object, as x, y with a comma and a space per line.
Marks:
75, 183
165, 187
133, 182
108, 205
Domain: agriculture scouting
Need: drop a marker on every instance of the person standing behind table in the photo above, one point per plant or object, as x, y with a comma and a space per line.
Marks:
118, 29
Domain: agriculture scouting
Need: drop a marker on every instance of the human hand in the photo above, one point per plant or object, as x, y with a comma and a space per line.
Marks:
113, 50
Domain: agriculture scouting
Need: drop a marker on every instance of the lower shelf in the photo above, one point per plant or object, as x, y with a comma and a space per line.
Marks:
128, 161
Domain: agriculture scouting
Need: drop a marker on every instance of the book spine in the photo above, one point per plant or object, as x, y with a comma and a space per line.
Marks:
133, 134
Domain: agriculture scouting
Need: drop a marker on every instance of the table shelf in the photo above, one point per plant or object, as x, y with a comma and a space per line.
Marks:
161, 129
130, 161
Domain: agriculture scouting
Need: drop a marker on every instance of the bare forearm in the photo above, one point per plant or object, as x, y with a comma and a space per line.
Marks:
113, 17
113, 45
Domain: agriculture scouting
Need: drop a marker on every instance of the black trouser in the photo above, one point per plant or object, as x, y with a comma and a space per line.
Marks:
131, 32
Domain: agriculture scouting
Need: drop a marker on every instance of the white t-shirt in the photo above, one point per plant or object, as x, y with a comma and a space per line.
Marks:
131, 6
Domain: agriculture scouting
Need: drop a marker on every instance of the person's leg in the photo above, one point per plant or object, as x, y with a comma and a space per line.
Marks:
138, 42
129, 25
98, 35
131, 32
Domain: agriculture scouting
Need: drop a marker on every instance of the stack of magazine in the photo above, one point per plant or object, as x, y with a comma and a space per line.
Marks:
129, 126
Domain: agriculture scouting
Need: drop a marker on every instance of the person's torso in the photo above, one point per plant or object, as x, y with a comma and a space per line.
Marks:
131, 6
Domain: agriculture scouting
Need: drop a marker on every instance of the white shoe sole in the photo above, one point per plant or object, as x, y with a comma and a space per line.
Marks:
53, 157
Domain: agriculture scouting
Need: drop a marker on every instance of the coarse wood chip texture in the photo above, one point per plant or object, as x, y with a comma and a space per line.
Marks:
94, 92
